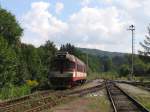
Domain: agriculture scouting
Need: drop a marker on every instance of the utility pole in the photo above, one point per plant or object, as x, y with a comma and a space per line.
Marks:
87, 63
132, 29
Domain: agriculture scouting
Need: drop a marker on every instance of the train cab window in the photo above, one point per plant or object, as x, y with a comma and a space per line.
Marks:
72, 65
63, 65
68, 65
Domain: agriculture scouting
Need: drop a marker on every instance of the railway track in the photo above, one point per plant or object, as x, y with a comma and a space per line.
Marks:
79, 93
25, 102
83, 92
44, 102
24, 98
121, 101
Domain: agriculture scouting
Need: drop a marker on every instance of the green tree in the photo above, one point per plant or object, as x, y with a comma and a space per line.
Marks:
46, 53
107, 63
7, 63
68, 48
124, 70
139, 67
32, 59
146, 44
9, 27
11, 32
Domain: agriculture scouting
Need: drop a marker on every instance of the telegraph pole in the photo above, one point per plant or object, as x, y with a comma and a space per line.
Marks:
87, 63
132, 29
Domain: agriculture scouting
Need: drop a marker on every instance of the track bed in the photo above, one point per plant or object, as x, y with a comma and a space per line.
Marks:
121, 101
45, 100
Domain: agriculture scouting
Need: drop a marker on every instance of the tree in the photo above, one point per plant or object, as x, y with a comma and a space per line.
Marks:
107, 63
139, 67
9, 27
7, 63
146, 44
68, 48
32, 59
46, 53
124, 70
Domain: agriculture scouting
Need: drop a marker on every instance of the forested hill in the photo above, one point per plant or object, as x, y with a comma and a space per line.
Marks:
101, 53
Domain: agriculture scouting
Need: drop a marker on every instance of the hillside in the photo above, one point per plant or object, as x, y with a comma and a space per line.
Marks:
101, 53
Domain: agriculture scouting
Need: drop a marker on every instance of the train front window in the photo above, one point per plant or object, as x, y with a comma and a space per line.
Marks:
63, 65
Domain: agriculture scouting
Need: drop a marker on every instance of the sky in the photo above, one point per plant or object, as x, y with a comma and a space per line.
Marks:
98, 24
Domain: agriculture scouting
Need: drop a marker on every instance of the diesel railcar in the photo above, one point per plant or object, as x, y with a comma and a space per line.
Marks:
67, 71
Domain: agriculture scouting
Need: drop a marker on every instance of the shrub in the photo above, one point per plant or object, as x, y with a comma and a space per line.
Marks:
32, 83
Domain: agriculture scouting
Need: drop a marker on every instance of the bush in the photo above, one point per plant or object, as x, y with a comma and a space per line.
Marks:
124, 70
32, 83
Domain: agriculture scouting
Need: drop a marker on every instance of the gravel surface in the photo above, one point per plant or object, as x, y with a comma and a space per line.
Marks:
93, 102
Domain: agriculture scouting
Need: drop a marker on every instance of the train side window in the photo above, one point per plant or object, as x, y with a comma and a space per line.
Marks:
80, 68
72, 65
77, 67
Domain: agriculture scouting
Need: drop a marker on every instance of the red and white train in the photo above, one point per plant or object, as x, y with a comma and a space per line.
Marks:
67, 71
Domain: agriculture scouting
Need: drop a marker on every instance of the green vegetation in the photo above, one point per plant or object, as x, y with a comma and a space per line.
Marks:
111, 62
23, 68
11, 91
103, 75
99, 103
146, 44
144, 100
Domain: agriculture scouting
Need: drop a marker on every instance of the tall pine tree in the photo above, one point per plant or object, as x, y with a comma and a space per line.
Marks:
146, 44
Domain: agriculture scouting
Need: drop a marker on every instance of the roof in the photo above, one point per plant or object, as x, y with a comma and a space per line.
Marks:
66, 55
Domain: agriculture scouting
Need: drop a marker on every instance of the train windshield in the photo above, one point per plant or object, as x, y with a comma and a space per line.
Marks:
63, 65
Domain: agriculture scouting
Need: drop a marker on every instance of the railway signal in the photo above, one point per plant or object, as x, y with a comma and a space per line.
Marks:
132, 29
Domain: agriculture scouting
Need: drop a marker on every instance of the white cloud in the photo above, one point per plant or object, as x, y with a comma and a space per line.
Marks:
98, 28
40, 25
91, 26
59, 7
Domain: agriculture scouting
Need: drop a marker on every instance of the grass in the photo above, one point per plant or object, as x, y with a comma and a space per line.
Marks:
114, 75
99, 103
145, 100
142, 79
104, 75
11, 91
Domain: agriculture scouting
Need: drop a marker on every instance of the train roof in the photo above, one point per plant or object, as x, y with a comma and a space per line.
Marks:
66, 55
